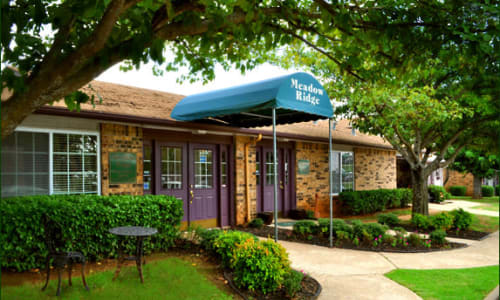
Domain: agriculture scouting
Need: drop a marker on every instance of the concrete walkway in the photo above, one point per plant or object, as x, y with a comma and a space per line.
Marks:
449, 205
351, 274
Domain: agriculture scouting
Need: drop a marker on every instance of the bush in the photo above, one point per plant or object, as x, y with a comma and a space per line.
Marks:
420, 221
310, 215
259, 265
292, 282
256, 223
227, 242
86, 220
461, 219
207, 238
438, 237
389, 219
367, 232
337, 225
375, 229
497, 188
414, 240
304, 228
342, 235
364, 202
438, 193
442, 221
458, 190
487, 191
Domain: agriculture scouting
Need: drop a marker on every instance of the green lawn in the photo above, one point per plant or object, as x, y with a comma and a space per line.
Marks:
490, 206
484, 223
470, 284
481, 200
171, 278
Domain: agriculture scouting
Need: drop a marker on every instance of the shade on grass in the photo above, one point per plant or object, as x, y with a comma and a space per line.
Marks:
171, 278
470, 284
493, 199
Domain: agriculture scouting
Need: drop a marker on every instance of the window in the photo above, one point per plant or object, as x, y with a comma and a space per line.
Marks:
25, 164
171, 167
270, 168
203, 175
343, 171
223, 168
147, 168
41, 163
74, 164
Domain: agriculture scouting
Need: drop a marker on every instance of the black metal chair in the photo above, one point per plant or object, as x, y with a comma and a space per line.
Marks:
54, 240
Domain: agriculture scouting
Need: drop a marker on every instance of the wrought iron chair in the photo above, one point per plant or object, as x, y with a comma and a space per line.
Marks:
54, 239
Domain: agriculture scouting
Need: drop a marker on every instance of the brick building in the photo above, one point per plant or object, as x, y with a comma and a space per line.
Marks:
129, 144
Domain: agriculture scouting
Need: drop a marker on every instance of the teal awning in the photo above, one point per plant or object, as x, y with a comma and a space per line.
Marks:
297, 97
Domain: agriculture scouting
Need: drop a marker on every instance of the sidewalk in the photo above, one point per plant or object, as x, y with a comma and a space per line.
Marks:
449, 205
351, 274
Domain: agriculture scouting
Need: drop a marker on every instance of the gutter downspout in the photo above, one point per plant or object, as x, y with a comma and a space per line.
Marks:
247, 176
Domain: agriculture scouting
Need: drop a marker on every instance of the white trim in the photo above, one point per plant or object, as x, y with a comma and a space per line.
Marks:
51, 132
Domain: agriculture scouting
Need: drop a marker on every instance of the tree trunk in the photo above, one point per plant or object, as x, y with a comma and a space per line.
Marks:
477, 187
420, 193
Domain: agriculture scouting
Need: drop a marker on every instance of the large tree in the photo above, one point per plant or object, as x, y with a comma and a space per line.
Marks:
480, 163
424, 75
52, 48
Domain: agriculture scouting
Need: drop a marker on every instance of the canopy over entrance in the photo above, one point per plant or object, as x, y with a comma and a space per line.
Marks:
297, 97
292, 98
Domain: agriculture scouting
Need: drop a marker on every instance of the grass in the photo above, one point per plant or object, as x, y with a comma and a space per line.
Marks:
473, 283
493, 199
484, 223
373, 217
171, 278
491, 206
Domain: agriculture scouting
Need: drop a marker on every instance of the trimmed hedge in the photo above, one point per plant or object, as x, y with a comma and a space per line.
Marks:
487, 191
438, 193
458, 190
85, 220
497, 188
365, 202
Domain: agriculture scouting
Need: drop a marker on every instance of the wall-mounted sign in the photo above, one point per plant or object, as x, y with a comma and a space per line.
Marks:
303, 166
122, 167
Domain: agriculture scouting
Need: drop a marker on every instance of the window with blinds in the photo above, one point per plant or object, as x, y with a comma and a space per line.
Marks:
25, 164
74, 168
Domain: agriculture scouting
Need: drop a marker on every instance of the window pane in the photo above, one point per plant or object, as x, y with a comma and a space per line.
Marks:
75, 143
203, 174
60, 184
336, 171
147, 168
60, 163
9, 187
347, 171
60, 142
75, 163
90, 144
171, 168
24, 141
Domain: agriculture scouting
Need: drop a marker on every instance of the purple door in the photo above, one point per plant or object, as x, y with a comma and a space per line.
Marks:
268, 180
171, 173
258, 177
203, 182
224, 185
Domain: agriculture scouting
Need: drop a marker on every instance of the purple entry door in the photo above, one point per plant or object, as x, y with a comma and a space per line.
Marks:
203, 182
171, 173
224, 181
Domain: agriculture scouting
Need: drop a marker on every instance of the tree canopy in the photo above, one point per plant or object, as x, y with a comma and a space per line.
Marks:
424, 75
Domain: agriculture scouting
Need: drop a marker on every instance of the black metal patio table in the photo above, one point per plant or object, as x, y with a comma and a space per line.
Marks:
134, 231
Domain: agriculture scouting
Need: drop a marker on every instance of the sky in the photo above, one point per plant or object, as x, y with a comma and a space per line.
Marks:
144, 78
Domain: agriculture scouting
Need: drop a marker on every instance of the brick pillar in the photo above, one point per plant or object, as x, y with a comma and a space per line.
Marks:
240, 193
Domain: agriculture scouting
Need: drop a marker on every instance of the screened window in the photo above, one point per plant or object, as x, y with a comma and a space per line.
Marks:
223, 168
74, 168
203, 174
147, 167
343, 171
25, 164
171, 167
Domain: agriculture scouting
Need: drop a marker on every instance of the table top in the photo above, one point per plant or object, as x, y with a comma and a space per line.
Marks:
133, 231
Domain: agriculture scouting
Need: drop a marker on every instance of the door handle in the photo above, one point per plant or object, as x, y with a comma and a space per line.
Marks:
192, 196
281, 185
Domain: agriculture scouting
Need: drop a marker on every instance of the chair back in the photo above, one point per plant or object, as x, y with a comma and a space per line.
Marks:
54, 236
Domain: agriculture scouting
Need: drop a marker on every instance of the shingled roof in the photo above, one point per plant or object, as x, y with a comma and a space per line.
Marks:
156, 105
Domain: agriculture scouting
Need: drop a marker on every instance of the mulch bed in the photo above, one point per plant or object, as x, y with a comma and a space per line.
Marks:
310, 290
287, 235
462, 234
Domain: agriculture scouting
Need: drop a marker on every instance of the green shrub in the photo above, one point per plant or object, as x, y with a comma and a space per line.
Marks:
442, 221
228, 241
207, 238
366, 232
375, 229
86, 220
458, 190
497, 188
292, 282
310, 215
438, 237
487, 191
304, 227
438, 193
260, 265
337, 225
420, 221
389, 219
342, 235
364, 202
461, 219
256, 223
414, 240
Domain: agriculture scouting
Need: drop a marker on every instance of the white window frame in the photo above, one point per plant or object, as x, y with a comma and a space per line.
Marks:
340, 165
51, 133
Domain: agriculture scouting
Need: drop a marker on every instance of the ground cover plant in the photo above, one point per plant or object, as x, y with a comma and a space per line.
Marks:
438, 193
85, 220
170, 278
471, 283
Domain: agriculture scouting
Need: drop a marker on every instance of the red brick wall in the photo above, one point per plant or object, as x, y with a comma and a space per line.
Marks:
457, 178
121, 138
374, 169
